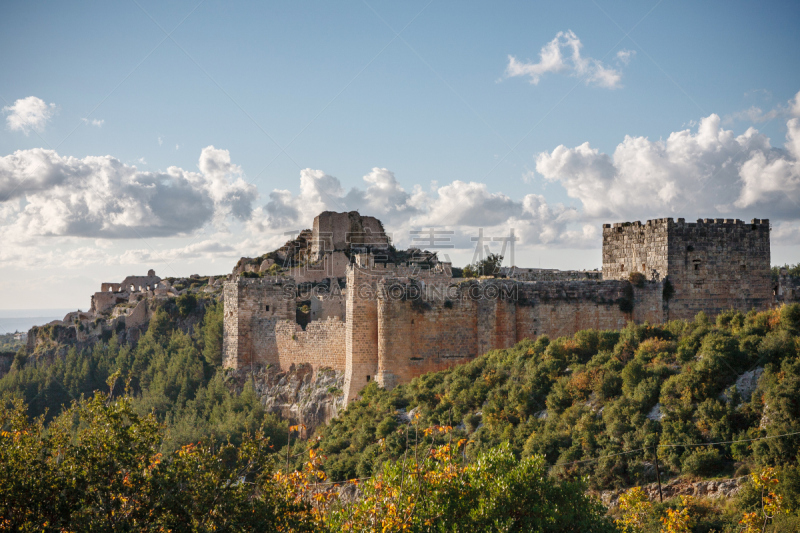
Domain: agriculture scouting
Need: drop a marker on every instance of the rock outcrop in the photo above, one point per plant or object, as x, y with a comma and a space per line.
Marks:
298, 395
724, 488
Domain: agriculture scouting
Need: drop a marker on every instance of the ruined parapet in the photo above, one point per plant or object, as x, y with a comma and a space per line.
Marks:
787, 289
103, 302
343, 232
329, 304
140, 283
253, 308
548, 274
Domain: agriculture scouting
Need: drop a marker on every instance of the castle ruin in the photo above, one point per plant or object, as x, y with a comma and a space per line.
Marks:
386, 320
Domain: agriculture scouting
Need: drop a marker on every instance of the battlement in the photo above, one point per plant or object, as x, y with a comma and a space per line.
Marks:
365, 264
548, 274
656, 222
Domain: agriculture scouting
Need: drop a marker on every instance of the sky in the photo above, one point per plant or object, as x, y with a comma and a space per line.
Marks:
181, 136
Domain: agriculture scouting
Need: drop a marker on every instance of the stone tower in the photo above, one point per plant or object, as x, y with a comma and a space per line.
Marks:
253, 309
711, 265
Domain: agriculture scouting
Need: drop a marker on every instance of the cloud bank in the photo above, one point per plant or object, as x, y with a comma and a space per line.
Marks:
563, 55
692, 174
705, 171
46, 194
459, 206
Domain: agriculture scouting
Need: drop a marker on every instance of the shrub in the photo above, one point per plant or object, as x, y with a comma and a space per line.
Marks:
637, 279
186, 303
668, 291
790, 318
704, 462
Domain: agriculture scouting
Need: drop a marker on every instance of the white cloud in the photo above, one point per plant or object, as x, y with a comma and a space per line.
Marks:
625, 56
794, 105
94, 122
206, 249
756, 115
460, 207
27, 114
753, 114
563, 54
99, 196
160, 140
692, 174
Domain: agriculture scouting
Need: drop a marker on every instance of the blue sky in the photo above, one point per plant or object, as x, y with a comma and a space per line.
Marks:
424, 90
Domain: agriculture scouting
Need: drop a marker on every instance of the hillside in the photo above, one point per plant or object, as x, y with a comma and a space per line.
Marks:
714, 398
595, 404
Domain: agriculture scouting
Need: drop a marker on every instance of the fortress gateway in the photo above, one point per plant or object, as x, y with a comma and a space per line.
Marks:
378, 314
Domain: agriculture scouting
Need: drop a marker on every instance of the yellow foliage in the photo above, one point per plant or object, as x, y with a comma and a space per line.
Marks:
678, 520
635, 508
771, 503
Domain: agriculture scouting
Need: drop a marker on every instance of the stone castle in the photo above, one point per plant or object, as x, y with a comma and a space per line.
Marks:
379, 315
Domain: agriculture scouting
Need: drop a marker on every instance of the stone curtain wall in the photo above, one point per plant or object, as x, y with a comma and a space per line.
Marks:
719, 264
424, 336
322, 344
556, 308
546, 274
253, 307
392, 335
635, 247
454, 323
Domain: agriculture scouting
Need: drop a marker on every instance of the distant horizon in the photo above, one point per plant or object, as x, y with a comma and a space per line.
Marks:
22, 322
50, 311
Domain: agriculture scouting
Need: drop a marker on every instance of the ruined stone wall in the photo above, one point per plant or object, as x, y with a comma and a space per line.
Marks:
331, 265
104, 301
718, 264
635, 247
787, 290
340, 231
253, 308
324, 306
547, 274
139, 283
322, 344
559, 308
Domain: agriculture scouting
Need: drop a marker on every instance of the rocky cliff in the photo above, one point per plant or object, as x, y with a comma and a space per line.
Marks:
297, 395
